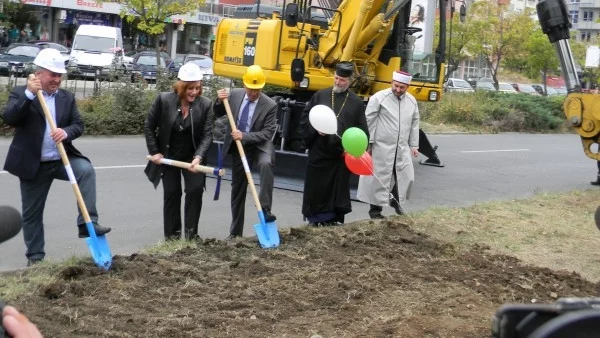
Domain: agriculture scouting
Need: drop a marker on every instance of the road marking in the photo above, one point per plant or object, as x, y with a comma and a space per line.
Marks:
107, 167
121, 166
493, 151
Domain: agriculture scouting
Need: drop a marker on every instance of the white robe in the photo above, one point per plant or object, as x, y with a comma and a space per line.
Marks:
386, 116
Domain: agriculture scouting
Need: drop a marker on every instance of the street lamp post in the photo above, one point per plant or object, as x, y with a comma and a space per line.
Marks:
452, 4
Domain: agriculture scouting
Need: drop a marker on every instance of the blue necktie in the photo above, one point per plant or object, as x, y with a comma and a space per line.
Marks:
243, 124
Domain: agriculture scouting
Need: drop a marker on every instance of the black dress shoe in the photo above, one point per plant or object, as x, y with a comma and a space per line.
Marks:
269, 217
397, 207
232, 237
100, 230
33, 261
376, 215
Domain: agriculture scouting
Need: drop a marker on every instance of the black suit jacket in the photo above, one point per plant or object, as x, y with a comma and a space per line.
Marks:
25, 152
159, 123
262, 126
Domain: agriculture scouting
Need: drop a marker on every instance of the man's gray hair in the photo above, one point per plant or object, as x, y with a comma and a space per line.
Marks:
39, 69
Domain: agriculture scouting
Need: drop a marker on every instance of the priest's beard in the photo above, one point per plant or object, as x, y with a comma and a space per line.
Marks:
340, 89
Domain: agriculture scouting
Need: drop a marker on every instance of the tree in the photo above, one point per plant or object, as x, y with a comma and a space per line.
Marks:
541, 56
458, 39
589, 75
151, 15
500, 33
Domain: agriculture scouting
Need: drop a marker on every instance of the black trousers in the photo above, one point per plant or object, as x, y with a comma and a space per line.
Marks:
377, 209
194, 188
264, 163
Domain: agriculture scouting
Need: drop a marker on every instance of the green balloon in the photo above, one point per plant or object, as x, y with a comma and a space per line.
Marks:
355, 141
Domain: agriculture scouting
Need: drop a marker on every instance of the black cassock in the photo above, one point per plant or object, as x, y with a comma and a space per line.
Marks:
326, 187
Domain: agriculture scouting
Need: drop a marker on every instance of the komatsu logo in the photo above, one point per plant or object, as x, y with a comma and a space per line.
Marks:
233, 59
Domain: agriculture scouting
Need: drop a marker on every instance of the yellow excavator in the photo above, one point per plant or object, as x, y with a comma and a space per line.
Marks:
568, 317
299, 44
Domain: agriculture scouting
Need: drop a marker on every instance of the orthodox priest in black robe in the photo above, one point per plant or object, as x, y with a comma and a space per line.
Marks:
326, 197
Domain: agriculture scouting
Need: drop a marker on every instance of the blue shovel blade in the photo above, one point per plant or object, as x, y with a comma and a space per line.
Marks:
99, 248
267, 233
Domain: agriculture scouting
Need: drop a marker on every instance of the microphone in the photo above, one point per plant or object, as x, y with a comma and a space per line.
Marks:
10, 223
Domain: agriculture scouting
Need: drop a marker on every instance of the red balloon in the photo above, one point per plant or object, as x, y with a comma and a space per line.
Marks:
362, 165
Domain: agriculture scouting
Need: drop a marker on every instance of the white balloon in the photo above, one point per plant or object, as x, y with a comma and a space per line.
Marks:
323, 119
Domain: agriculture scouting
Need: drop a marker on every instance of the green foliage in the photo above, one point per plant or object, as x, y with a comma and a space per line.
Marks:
4, 128
496, 112
120, 110
151, 16
542, 55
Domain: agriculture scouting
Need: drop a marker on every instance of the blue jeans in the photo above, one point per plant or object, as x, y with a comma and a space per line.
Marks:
35, 191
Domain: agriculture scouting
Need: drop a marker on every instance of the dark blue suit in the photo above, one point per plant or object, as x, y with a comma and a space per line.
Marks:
24, 161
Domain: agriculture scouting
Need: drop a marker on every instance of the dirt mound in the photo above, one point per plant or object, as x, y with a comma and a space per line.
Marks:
361, 279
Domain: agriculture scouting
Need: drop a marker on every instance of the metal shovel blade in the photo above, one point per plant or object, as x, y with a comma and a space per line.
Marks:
99, 249
267, 233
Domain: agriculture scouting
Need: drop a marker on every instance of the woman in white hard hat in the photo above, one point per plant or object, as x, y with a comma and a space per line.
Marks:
184, 120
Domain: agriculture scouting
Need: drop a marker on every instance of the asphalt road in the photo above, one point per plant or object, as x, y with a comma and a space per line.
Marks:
478, 168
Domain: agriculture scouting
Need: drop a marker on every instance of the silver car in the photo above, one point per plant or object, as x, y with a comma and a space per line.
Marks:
458, 85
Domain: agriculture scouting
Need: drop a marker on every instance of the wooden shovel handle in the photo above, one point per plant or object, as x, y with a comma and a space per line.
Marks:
242, 156
184, 165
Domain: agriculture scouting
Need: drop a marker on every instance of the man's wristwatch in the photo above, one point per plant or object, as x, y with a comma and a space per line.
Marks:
198, 157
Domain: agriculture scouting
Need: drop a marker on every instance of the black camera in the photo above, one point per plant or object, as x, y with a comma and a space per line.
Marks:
568, 317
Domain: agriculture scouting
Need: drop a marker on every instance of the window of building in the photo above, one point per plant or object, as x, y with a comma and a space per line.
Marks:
228, 11
574, 16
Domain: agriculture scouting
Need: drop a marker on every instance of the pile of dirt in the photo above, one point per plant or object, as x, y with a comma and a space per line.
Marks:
362, 279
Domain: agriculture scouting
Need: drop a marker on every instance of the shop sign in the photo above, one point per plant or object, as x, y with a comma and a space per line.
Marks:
89, 4
208, 19
83, 18
37, 2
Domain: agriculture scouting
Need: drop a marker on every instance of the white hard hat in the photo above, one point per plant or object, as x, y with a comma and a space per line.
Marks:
190, 72
50, 59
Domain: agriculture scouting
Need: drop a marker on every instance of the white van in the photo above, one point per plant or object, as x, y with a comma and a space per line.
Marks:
94, 48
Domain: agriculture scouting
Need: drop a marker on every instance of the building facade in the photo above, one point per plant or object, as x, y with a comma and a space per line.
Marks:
192, 33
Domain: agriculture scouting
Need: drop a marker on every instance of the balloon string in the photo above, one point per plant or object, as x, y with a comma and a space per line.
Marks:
384, 187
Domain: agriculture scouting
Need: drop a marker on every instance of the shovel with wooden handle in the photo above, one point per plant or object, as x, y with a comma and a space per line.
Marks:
98, 245
267, 233
184, 165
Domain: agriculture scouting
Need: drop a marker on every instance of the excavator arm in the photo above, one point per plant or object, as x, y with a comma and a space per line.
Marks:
582, 110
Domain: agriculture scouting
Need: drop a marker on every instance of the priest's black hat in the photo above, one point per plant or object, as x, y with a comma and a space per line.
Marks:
344, 69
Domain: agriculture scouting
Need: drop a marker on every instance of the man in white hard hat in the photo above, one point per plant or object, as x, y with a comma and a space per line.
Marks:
33, 156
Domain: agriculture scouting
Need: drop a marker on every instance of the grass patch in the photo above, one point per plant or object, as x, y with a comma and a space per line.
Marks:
556, 231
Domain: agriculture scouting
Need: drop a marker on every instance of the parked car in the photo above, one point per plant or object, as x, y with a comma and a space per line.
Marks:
525, 88
64, 51
485, 85
176, 64
507, 88
97, 51
561, 90
549, 90
128, 60
458, 85
19, 57
145, 67
204, 62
